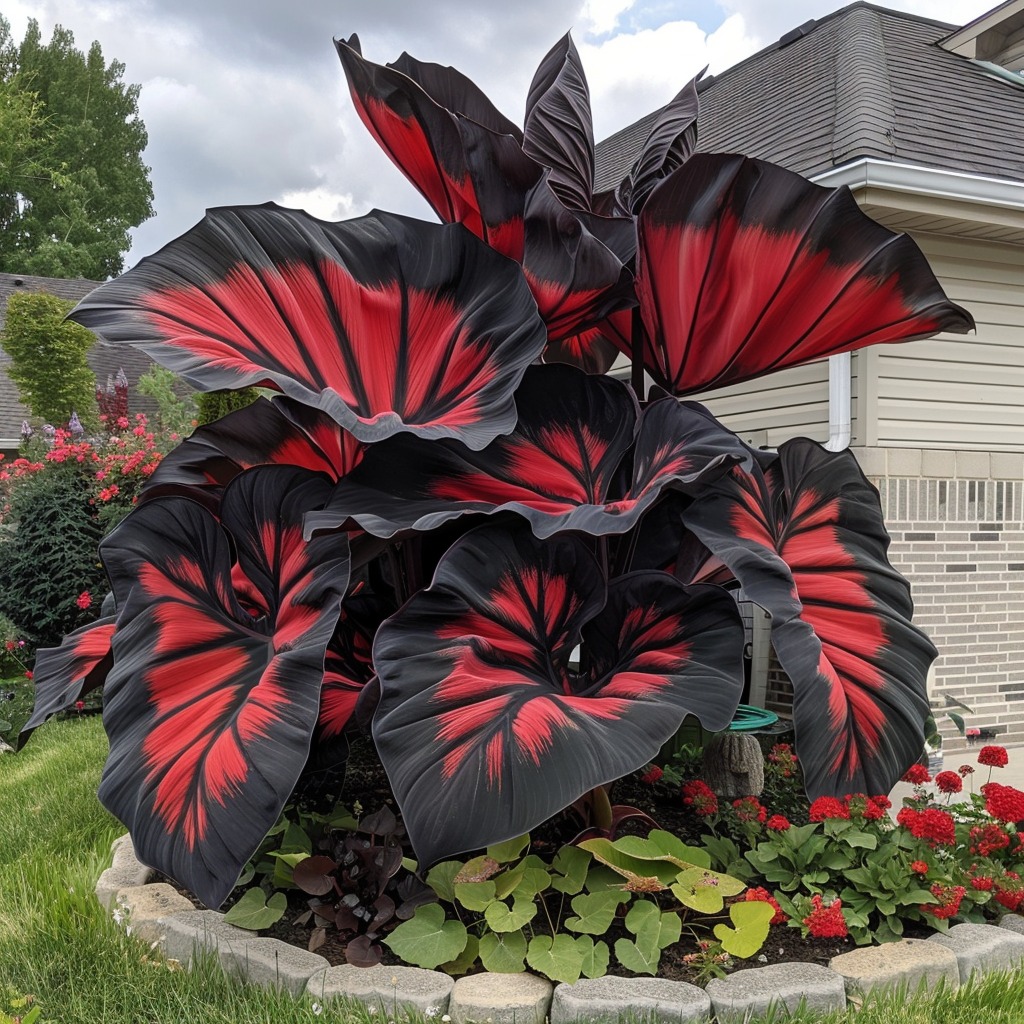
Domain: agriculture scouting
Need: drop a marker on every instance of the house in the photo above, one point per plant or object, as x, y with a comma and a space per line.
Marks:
104, 360
924, 121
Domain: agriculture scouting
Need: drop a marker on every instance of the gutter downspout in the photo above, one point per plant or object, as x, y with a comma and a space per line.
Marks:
840, 391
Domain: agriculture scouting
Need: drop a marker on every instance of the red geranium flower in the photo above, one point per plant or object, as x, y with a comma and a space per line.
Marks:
84, 600
652, 775
826, 922
778, 823
919, 867
948, 782
826, 807
931, 824
916, 775
964, 770
994, 757
761, 895
700, 798
984, 840
749, 808
949, 897
982, 883
1003, 802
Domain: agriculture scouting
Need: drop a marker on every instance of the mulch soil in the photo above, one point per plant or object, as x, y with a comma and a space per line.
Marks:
367, 783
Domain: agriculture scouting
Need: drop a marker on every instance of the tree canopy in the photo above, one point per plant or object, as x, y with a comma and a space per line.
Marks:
72, 179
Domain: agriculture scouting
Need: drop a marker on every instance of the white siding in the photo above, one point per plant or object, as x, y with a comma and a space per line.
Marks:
960, 392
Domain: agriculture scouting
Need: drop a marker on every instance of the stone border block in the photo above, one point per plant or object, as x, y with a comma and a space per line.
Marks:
144, 905
755, 992
909, 963
612, 999
500, 999
981, 948
126, 871
271, 963
183, 936
1012, 923
389, 989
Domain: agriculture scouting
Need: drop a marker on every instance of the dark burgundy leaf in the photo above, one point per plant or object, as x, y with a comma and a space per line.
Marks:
744, 268
277, 432
315, 875
316, 939
381, 822
595, 349
63, 675
483, 728
363, 952
559, 131
385, 911
385, 323
214, 691
805, 538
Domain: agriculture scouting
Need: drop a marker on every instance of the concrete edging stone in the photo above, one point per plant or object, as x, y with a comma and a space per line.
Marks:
161, 916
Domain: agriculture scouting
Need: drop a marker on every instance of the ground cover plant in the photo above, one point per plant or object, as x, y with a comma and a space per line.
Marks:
450, 528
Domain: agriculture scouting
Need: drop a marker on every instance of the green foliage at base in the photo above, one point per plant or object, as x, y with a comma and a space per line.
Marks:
212, 405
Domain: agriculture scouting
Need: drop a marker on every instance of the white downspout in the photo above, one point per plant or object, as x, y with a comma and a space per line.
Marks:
840, 419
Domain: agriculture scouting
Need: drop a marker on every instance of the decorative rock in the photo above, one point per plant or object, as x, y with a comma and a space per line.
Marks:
5, 747
982, 948
500, 999
910, 962
271, 964
148, 903
390, 989
1012, 923
125, 872
793, 986
182, 936
734, 765
612, 999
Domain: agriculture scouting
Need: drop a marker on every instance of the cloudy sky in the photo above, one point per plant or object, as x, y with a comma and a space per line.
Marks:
245, 100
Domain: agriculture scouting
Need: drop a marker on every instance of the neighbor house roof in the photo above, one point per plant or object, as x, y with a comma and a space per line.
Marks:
105, 360
864, 82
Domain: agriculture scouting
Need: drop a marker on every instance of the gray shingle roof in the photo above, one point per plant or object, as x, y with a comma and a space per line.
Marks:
105, 360
862, 82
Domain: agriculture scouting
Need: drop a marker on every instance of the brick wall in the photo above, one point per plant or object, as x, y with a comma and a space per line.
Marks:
959, 540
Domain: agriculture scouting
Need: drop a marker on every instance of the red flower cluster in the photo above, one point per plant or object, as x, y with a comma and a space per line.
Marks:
700, 798
651, 776
948, 782
749, 808
761, 895
84, 600
982, 883
933, 825
870, 808
964, 770
778, 823
829, 807
1009, 892
919, 867
994, 757
826, 922
783, 759
949, 897
984, 840
1003, 802
916, 775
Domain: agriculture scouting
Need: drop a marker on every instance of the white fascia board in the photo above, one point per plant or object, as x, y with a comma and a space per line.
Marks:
926, 181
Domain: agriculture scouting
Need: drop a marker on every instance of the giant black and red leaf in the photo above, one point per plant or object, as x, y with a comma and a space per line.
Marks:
805, 538
276, 432
385, 323
560, 467
464, 157
484, 728
744, 268
215, 686
63, 675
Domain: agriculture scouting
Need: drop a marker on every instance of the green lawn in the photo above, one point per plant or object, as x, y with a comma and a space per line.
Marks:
59, 946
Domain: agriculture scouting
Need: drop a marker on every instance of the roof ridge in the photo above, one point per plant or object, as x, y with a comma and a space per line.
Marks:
865, 116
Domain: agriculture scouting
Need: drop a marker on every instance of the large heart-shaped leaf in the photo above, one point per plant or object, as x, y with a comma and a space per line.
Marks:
63, 675
744, 268
805, 538
214, 690
482, 726
385, 323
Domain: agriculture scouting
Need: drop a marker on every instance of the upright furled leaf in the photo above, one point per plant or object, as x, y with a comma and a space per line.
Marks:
385, 323
214, 690
558, 128
447, 138
62, 675
805, 538
483, 727
744, 268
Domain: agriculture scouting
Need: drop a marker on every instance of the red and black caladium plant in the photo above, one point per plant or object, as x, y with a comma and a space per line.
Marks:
447, 528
